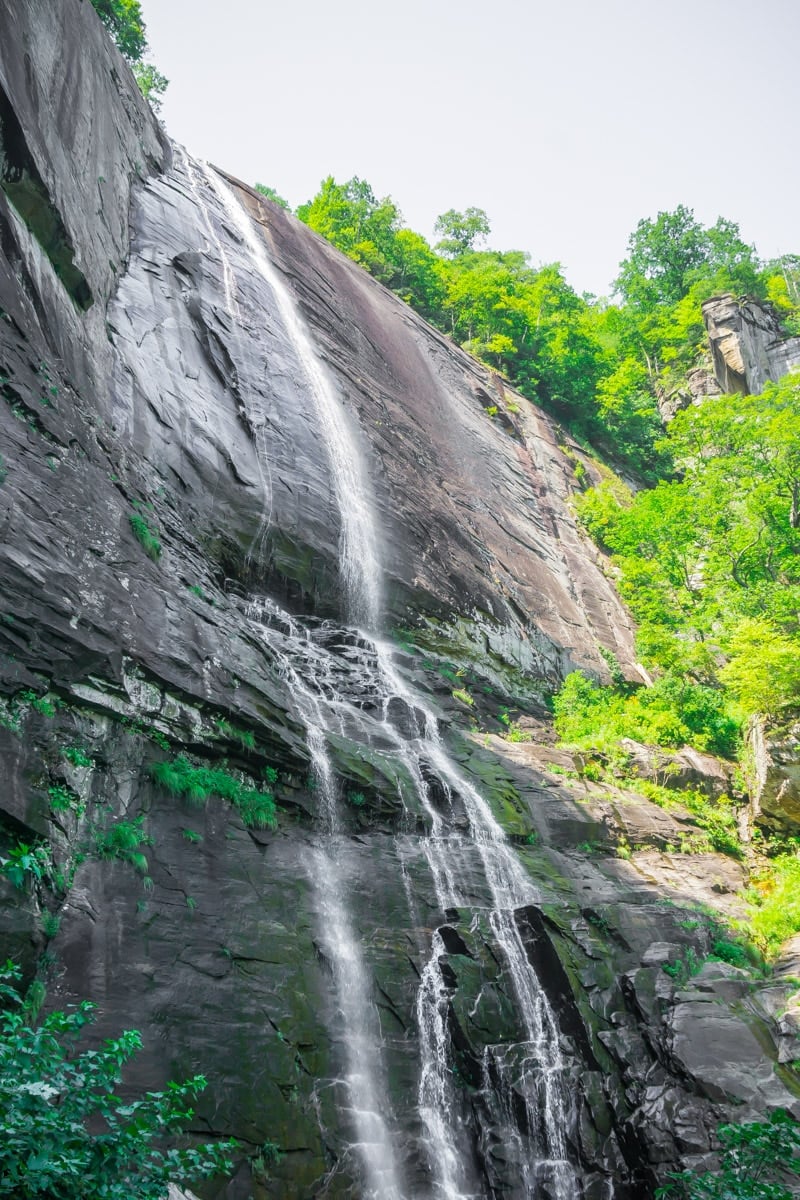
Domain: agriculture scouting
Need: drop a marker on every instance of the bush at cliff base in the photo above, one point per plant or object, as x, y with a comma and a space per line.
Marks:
66, 1135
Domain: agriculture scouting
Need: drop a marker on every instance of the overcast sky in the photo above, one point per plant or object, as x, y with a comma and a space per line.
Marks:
567, 122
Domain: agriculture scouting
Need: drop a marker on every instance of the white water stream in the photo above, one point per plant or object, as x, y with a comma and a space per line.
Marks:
329, 689
358, 557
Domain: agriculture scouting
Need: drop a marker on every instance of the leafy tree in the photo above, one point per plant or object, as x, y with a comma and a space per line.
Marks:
272, 195
66, 1135
757, 1159
461, 230
662, 258
124, 21
152, 84
351, 217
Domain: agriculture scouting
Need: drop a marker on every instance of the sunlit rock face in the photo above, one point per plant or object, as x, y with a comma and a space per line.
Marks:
747, 345
256, 512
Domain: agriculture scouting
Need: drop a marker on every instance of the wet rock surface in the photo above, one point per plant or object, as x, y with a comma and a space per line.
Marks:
164, 470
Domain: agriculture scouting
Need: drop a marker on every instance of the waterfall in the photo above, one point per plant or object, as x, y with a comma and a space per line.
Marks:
299, 660
358, 557
329, 698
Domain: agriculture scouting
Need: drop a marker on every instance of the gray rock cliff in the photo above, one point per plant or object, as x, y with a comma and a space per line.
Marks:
258, 520
747, 345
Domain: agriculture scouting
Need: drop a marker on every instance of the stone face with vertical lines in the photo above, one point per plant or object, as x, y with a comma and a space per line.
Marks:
165, 470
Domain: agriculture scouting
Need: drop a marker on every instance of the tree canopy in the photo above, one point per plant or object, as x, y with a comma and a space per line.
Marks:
124, 21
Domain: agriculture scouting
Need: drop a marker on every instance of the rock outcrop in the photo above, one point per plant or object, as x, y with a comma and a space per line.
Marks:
748, 346
775, 785
175, 597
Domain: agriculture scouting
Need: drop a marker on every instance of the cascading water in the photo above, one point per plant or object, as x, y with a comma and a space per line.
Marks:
358, 558
300, 662
360, 576
320, 687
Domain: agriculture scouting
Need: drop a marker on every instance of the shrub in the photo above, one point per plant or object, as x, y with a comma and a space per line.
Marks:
672, 713
756, 1159
198, 784
63, 1131
775, 899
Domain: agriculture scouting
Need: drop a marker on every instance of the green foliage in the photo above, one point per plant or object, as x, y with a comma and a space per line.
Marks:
78, 756
123, 19
763, 667
673, 712
63, 1130
197, 784
40, 704
363, 227
774, 897
515, 734
28, 863
461, 230
357, 799
269, 1155
599, 367
63, 799
463, 696
715, 818
123, 840
667, 256
244, 737
51, 923
151, 83
710, 562
145, 536
684, 968
272, 195
757, 1158
735, 953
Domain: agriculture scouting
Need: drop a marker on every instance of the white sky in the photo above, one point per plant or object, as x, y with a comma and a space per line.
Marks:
566, 122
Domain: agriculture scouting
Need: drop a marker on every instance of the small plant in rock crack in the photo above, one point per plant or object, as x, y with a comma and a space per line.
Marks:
197, 784
268, 1155
63, 799
357, 799
78, 757
28, 863
146, 537
50, 923
43, 705
226, 729
684, 968
122, 840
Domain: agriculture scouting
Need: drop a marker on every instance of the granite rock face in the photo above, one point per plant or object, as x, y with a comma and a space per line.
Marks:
776, 784
747, 345
172, 524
